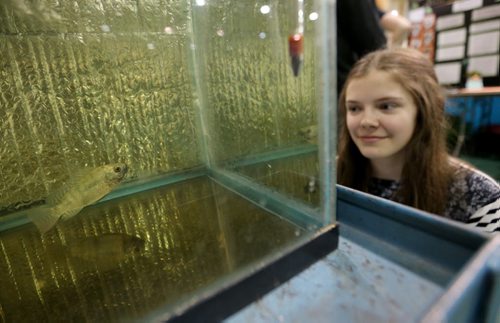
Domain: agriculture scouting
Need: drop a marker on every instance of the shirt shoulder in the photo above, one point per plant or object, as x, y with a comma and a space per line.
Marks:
470, 191
487, 218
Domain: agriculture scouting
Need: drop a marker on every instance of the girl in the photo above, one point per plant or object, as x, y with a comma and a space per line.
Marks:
393, 141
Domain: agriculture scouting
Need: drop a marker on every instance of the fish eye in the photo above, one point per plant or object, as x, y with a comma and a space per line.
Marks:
118, 169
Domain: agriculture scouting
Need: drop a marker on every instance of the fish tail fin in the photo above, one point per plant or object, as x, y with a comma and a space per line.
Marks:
44, 218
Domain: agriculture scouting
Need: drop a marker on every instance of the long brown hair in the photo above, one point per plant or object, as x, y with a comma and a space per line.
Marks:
427, 172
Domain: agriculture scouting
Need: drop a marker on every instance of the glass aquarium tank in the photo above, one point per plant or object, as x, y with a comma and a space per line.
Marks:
155, 150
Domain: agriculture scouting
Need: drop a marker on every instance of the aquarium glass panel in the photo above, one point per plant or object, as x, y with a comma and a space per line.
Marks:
261, 103
153, 150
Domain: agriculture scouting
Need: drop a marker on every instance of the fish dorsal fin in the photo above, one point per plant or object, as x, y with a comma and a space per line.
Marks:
55, 197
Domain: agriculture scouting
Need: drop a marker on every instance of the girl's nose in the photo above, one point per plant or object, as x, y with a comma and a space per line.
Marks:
369, 120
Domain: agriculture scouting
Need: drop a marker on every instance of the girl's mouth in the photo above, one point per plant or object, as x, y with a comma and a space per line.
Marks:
370, 139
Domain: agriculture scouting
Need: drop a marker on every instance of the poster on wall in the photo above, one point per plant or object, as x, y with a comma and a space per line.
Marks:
423, 34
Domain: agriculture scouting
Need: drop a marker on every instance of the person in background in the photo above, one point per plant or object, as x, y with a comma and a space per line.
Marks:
358, 33
393, 141
396, 27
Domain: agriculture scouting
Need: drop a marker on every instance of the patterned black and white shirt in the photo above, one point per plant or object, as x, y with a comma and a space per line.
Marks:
474, 197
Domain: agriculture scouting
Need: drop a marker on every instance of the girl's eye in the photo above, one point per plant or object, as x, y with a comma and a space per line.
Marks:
387, 105
352, 108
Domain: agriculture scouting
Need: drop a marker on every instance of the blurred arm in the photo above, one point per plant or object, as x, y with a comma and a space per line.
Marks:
397, 26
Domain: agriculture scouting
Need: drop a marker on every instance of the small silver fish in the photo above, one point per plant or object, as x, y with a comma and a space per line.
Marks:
84, 188
312, 186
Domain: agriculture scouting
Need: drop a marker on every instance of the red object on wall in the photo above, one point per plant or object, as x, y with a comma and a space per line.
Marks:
296, 51
423, 34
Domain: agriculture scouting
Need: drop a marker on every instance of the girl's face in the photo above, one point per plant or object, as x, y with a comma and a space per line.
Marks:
381, 116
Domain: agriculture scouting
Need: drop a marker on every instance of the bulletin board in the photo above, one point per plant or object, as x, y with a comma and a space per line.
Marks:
467, 39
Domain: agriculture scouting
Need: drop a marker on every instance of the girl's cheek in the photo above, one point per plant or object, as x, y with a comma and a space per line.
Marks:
351, 123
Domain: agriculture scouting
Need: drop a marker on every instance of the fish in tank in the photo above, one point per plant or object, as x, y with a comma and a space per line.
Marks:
85, 187
104, 251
